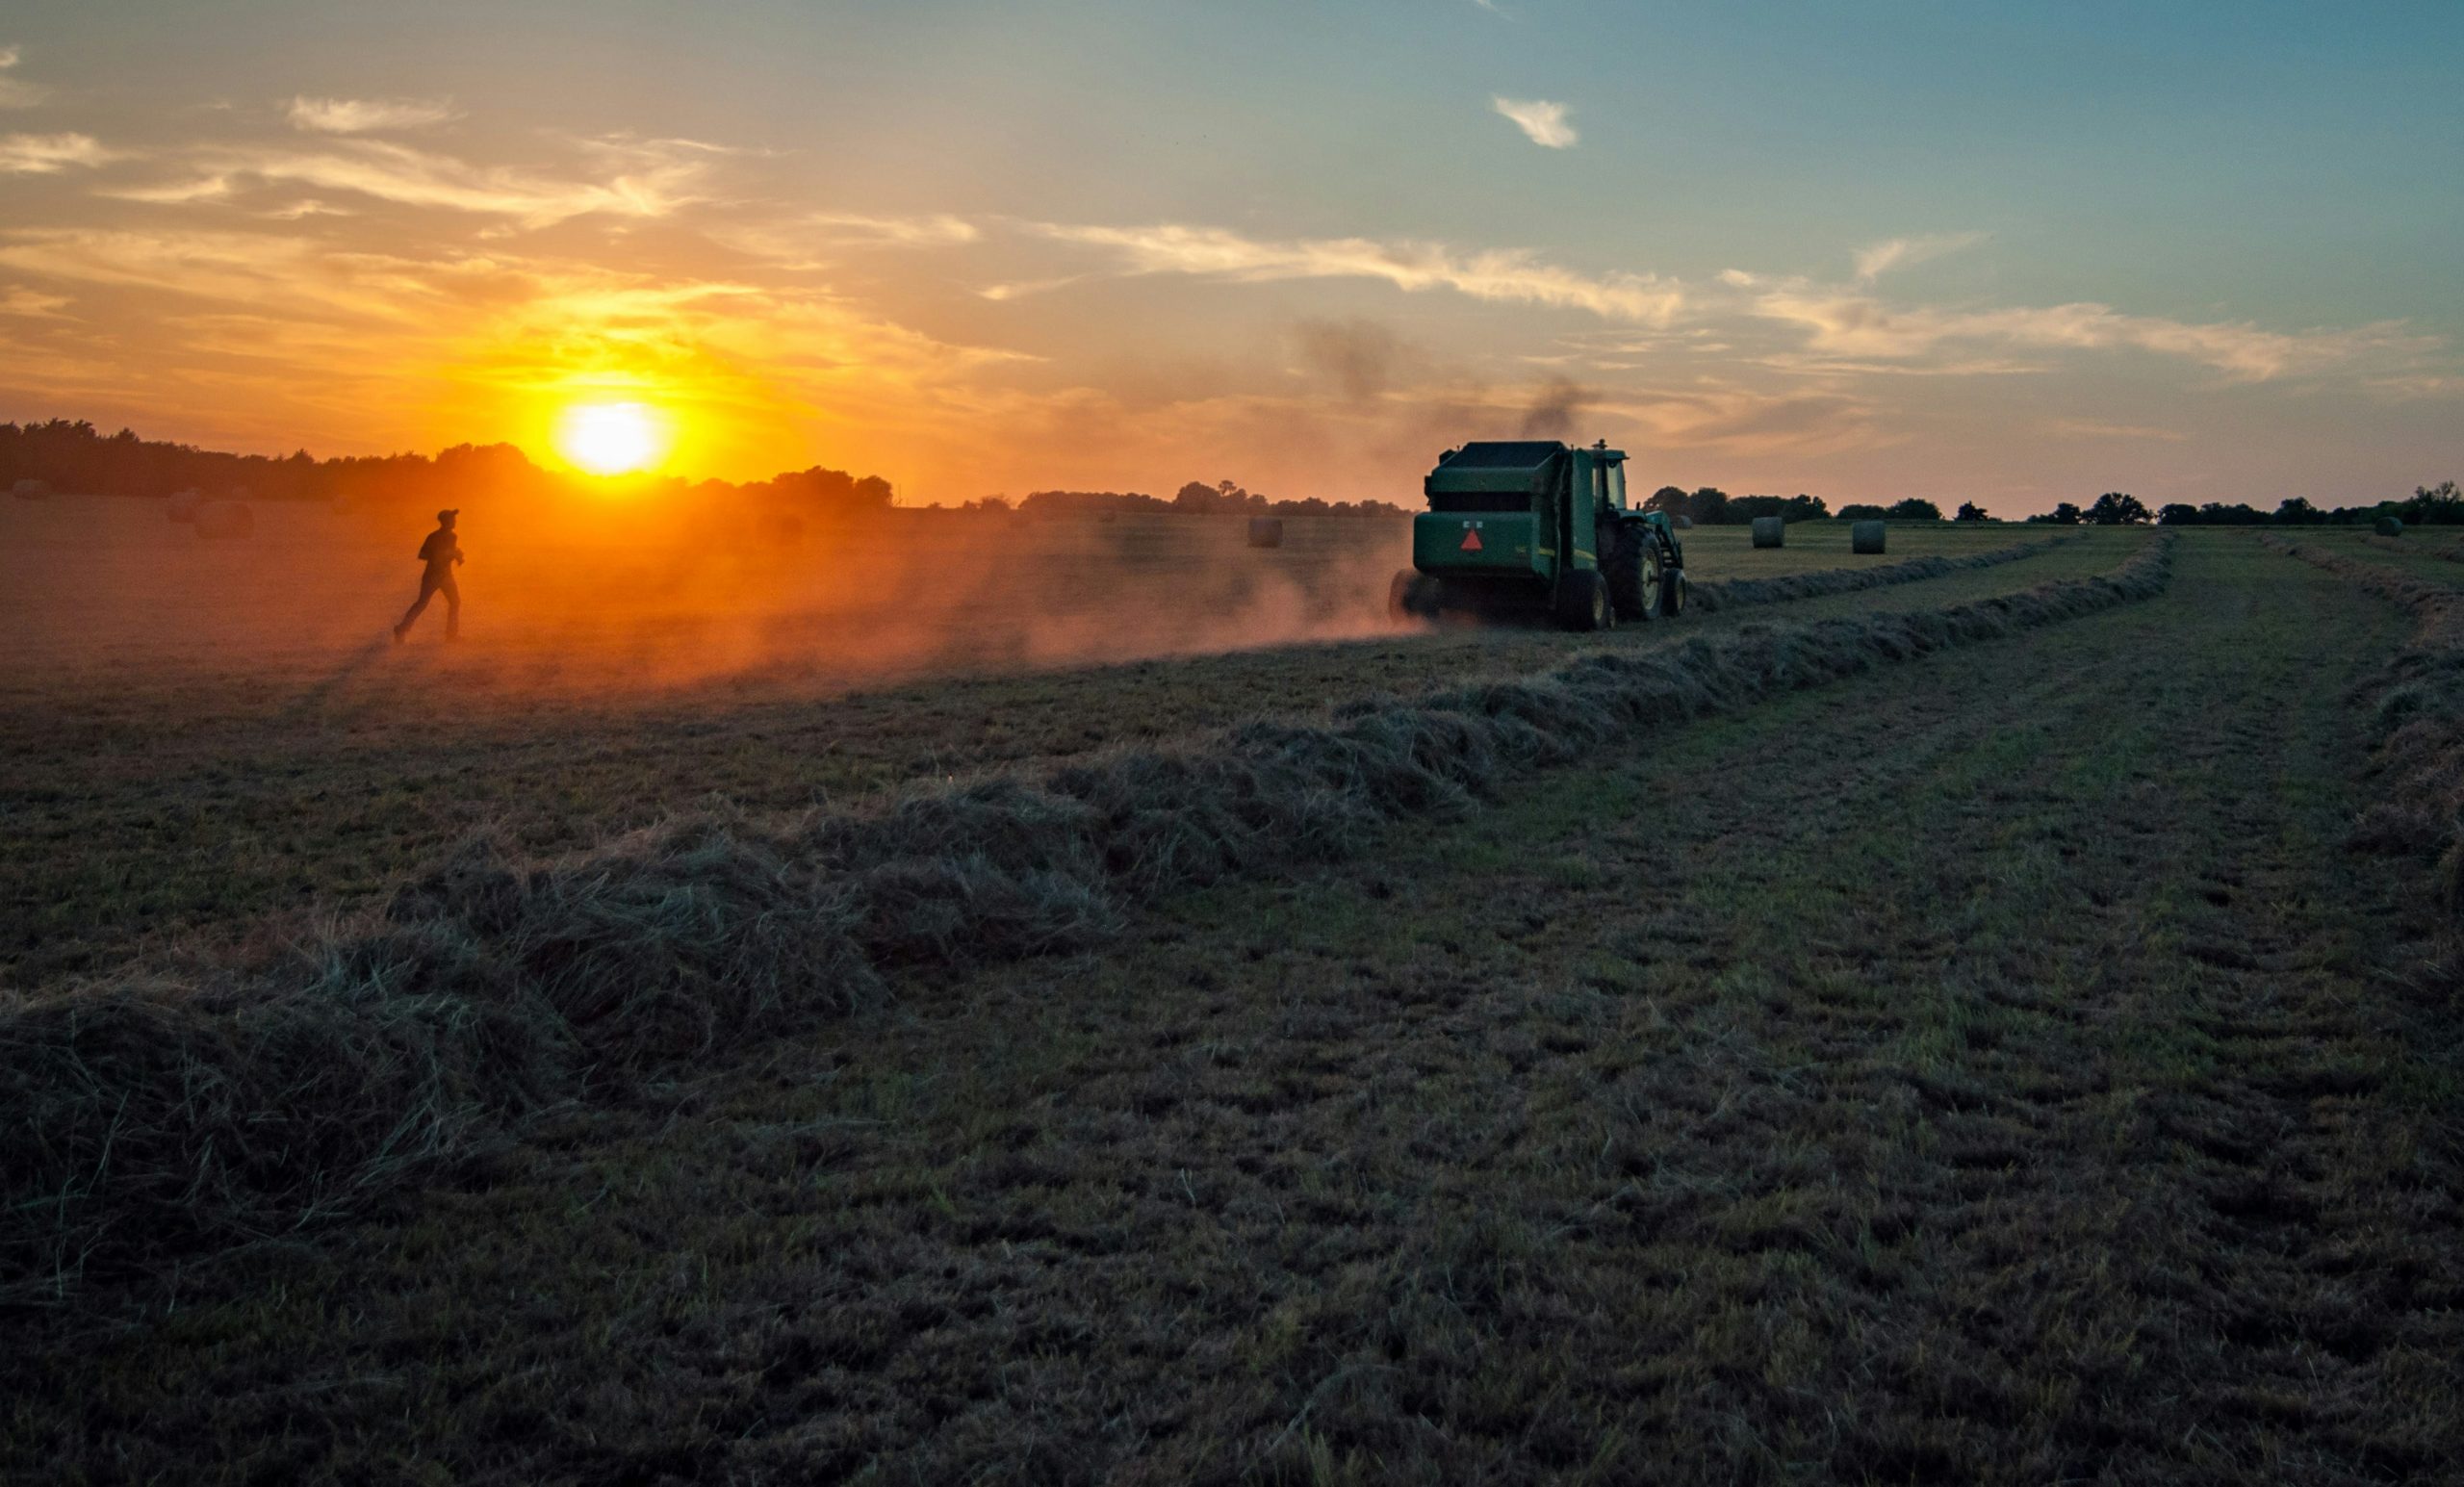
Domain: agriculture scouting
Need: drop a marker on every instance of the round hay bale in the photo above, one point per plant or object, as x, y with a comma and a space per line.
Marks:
1866, 537
1770, 531
29, 490
226, 519
1684, 523
2388, 526
183, 507
1266, 531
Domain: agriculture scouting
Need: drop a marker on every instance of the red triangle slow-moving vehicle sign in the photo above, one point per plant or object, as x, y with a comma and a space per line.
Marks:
1470, 540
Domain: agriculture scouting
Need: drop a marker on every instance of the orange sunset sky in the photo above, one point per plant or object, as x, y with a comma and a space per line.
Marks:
1865, 253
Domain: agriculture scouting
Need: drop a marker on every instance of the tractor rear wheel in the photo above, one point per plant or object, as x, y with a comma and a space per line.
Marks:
1630, 564
1582, 600
1413, 594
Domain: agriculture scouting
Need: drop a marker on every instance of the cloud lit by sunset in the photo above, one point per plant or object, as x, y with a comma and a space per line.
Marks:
976, 252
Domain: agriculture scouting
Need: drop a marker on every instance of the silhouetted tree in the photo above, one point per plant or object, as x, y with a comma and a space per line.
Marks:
2434, 506
1787, 509
1089, 502
2064, 514
1914, 509
1969, 512
2118, 508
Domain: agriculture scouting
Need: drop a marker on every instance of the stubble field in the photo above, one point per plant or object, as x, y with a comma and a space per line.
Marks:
1963, 1046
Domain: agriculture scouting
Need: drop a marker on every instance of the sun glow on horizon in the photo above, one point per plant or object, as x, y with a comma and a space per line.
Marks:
612, 438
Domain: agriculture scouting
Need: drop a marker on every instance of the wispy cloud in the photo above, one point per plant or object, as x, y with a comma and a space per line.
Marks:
1853, 323
276, 271
172, 194
48, 154
30, 304
1542, 121
1735, 421
805, 241
906, 231
649, 182
2089, 428
17, 92
1879, 259
1502, 275
2410, 385
364, 116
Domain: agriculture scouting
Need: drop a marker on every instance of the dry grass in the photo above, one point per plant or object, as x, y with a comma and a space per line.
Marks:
2451, 551
1720, 552
194, 1114
1814, 583
2417, 702
2017, 1085
306, 780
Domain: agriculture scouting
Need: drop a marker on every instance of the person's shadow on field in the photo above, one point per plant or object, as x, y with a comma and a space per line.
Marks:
312, 699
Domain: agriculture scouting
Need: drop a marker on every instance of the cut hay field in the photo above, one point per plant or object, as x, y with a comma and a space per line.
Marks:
313, 765
1938, 1032
1730, 552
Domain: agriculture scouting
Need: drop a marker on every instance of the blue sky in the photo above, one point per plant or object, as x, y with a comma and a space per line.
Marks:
2015, 253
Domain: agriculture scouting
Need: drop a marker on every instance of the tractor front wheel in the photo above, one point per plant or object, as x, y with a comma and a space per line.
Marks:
1582, 600
1672, 592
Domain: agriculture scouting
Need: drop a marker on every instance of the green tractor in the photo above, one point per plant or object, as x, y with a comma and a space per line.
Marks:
1531, 525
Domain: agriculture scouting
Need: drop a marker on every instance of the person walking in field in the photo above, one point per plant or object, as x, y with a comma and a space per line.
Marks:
441, 552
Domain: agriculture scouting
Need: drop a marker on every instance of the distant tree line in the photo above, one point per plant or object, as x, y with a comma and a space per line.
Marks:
1711, 506
2439, 505
2432, 506
1913, 509
2114, 508
74, 457
1223, 497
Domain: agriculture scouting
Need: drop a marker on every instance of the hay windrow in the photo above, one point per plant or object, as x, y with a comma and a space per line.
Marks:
1817, 582
2417, 702
2451, 552
152, 1119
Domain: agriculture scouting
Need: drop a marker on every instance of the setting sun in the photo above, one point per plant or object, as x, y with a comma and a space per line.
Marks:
611, 437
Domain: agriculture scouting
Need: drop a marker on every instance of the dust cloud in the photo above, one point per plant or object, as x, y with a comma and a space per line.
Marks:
1554, 409
1357, 355
114, 611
